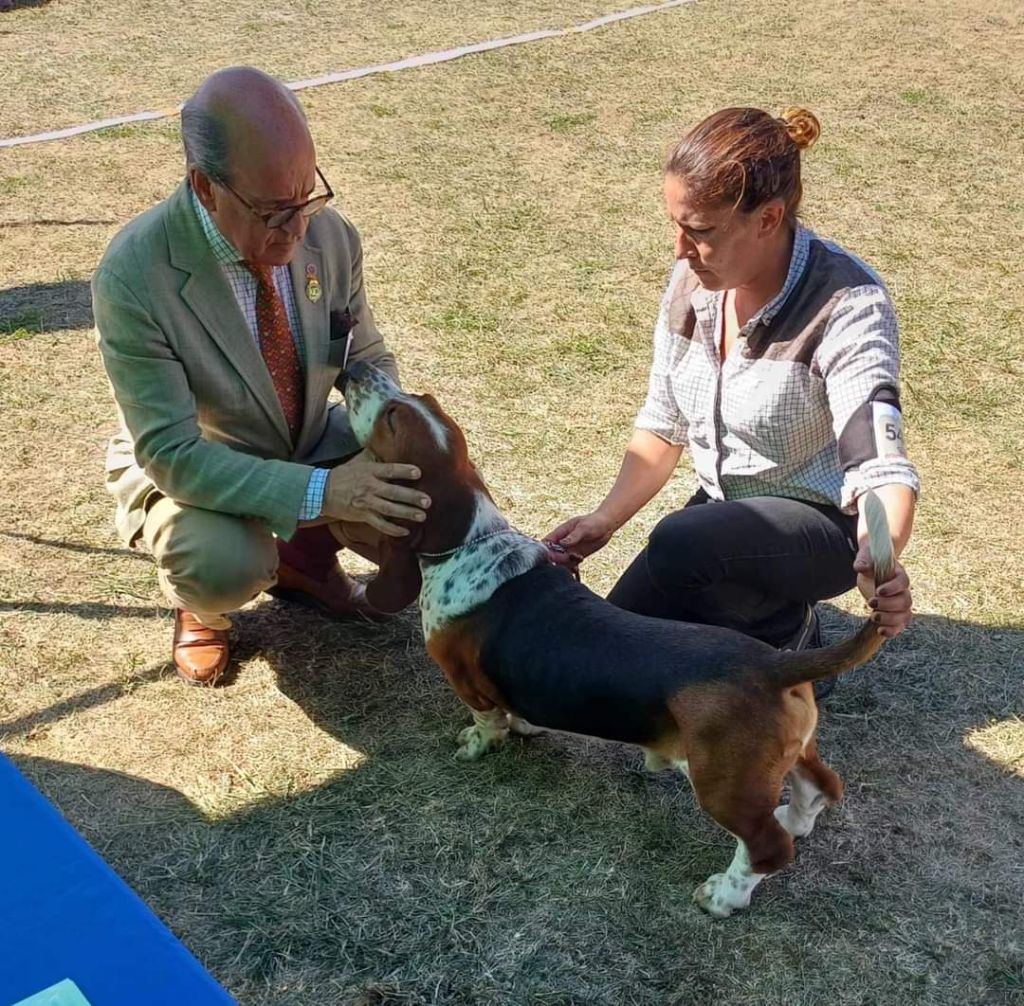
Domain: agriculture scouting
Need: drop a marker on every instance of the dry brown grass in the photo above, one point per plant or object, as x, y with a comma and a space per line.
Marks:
305, 829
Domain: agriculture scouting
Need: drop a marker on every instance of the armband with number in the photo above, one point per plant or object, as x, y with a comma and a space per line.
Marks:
874, 431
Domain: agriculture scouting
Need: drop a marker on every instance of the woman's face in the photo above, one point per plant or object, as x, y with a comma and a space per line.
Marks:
725, 247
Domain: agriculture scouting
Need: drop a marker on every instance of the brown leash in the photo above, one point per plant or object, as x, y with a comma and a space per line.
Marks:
560, 556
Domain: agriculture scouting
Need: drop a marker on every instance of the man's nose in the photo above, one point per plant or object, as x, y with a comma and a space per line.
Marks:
295, 226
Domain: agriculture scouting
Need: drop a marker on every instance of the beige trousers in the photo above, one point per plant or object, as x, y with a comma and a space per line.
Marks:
211, 563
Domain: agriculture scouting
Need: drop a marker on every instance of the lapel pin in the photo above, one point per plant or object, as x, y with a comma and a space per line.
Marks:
313, 289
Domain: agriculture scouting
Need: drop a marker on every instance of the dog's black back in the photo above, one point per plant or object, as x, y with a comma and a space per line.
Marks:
566, 659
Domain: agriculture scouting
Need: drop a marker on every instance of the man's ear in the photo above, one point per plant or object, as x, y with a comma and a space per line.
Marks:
397, 583
203, 188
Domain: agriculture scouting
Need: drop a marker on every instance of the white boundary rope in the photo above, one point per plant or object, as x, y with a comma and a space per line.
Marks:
411, 62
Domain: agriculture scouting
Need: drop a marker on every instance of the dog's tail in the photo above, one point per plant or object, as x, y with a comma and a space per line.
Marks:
794, 668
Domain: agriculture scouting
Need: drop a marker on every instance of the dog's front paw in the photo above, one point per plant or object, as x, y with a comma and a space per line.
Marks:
474, 742
719, 897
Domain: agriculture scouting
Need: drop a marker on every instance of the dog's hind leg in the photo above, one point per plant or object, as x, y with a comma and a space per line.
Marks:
767, 848
744, 806
489, 731
814, 786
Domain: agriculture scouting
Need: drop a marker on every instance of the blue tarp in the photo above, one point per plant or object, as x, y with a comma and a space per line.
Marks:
65, 914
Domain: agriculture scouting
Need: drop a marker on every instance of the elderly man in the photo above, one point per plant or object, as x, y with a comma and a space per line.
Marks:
225, 316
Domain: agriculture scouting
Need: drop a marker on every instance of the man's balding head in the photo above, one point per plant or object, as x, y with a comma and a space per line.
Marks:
249, 152
239, 112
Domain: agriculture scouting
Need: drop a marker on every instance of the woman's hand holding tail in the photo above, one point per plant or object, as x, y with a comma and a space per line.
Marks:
890, 601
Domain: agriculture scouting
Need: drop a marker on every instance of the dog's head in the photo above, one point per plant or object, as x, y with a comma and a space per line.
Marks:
413, 429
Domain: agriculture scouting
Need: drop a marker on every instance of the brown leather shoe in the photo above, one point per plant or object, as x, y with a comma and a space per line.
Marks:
338, 594
201, 655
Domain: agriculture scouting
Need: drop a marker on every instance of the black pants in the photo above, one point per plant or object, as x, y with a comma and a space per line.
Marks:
752, 564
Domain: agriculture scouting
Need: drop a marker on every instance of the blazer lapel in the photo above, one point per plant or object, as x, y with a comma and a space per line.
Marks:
306, 267
209, 296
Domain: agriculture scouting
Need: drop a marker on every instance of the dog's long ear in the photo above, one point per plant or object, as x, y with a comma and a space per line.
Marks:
397, 583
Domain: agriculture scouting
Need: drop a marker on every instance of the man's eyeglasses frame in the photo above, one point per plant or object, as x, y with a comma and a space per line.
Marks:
280, 218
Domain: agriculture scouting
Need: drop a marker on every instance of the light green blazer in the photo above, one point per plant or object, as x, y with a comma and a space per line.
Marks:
201, 421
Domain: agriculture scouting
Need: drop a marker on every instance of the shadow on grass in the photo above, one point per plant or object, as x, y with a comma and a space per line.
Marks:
82, 702
555, 870
82, 609
76, 546
45, 307
9, 6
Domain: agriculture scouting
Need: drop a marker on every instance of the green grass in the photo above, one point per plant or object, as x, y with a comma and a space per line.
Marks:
113, 133
21, 326
12, 184
567, 123
919, 98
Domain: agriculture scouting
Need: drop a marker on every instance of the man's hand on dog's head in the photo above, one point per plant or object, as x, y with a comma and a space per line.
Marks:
364, 490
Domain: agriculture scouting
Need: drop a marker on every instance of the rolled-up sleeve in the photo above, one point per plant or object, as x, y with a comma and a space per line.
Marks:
859, 360
660, 412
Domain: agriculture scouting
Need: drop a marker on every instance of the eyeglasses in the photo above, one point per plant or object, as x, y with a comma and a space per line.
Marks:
280, 218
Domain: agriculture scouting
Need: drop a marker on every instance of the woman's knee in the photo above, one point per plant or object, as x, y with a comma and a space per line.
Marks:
684, 549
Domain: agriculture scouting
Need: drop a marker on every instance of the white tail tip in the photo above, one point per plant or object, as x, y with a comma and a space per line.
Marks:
883, 558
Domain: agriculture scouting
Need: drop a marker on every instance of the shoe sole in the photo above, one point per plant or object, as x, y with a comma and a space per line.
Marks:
194, 683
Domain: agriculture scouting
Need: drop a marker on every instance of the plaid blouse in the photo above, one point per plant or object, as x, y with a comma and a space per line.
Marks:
805, 405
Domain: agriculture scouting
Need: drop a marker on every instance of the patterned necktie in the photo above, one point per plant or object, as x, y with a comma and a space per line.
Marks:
278, 347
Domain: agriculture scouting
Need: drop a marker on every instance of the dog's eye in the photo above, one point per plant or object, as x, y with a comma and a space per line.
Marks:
388, 414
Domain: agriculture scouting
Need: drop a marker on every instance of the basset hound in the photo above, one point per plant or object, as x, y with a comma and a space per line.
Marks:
526, 646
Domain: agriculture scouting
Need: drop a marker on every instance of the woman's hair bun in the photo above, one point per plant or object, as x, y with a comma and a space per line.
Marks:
803, 126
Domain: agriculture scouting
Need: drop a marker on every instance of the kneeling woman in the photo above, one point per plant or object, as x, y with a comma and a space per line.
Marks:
776, 359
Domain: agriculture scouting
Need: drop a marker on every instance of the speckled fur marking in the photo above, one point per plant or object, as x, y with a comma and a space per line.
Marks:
455, 584
462, 581
723, 893
365, 398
